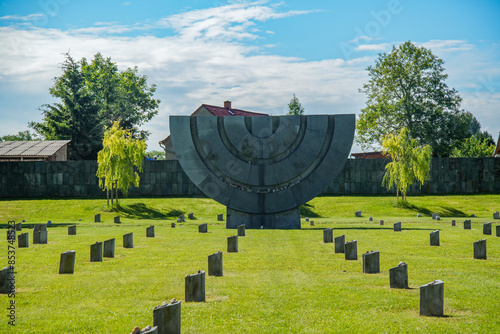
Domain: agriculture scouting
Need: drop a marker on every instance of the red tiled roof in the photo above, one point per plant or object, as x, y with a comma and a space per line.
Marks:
220, 111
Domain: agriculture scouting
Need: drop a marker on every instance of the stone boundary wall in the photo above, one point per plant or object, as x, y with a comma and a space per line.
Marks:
166, 178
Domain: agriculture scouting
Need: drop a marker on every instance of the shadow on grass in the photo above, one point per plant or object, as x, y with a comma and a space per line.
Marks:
447, 211
307, 210
367, 228
452, 212
142, 211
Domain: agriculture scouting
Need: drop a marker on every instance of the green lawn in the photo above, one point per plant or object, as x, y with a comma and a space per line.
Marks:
281, 281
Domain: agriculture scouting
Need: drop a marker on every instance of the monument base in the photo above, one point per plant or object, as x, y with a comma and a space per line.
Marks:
280, 220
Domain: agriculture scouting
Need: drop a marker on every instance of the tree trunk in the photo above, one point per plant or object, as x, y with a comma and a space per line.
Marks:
116, 189
107, 196
112, 194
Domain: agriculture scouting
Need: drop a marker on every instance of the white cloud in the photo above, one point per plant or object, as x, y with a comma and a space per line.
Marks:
21, 18
373, 47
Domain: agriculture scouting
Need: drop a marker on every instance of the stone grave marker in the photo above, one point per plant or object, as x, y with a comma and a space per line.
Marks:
128, 240
307, 219
397, 227
328, 235
357, 213
97, 218
194, 290
435, 215
5, 280
419, 215
117, 220
473, 215
381, 223
434, 238
480, 249
351, 250
370, 219
467, 224
203, 228
49, 223
67, 262
487, 228
172, 225
311, 223
40, 237
438, 218
241, 230
181, 219
23, 240
109, 248
496, 215
191, 215
398, 276
232, 244
215, 264
220, 217
432, 299
453, 223
498, 230
19, 226
72, 230
96, 252
167, 317
371, 262
339, 244
150, 232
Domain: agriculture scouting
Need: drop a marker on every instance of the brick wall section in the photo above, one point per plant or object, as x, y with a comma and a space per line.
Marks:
166, 178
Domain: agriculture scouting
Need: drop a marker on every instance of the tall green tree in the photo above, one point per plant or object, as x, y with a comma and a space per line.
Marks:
120, 160
410, 162
94, 94
474, 147
407, 88
294, 107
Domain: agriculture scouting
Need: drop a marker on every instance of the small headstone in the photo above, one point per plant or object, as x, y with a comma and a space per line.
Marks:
473, 215
370, 219
191, 215
215, 264
398, 276
371, 262
23, 240
311, 223
97, 218
149, 330
307, 219
40, 237
167, 317
79, 219
241, 230
357, 213
195, 287
150, 232
23, 221
181, 219
6, 285
381, 222
496, 215
339, 244
19, 226
419, 215
117, 220
397, 227
203, 228
453, 223
487, 228
351, 250
40, 227
109, 248
172, 225
328, 235
498, 230
438, 218
467, 224
220, 217
434, 215
434, 238
128, 240
72, 230
232, 244
480, 249
67, 262
49, 223
432, 299
96, 252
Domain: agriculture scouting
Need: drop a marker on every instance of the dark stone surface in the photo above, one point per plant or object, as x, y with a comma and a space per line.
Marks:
498, 230
215, 264
398, 276
19, 226
467, 224
480, 249
328, 235
241, 230
340, 244
168, 318
116, 220
72, 230
203, 228
67, 262
432, 299
23, 240
371, 262
434, 238
351, 250
128, 240
357, 213
487, 228
97, 218
109, 248
232, 244
96, 252
191, 215
453, 223
195, 287
220, 217
40, 237
397, 227
5, 283
496, 215
281, 220
150, 232
381, 222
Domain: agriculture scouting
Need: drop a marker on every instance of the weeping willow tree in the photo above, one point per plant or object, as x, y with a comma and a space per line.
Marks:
410, 162
120, 161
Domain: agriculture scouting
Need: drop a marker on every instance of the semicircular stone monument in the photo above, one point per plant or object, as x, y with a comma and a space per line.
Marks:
262, 168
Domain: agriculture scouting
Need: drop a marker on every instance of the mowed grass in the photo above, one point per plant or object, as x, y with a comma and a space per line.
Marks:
280, 281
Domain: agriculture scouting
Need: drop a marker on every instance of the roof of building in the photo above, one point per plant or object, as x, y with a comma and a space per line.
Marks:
370, 155
31, 148
496, 153
221, 111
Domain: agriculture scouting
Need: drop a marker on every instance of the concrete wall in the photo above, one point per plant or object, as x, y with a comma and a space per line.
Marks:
166, 178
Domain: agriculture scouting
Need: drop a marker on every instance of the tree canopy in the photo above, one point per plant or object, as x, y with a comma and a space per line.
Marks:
407, 89
92, 96
410, 162
474, 147
294, 107
120, 160
20, 136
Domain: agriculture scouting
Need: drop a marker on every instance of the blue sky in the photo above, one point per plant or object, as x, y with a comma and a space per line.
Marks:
255, 53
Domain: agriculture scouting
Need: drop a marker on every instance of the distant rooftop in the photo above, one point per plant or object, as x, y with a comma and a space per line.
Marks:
228, 111
31, 149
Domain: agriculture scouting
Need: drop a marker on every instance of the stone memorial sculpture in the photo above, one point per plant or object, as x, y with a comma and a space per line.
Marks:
128, 240
241, 231
150, 232
117, 220
480, 249
109, 248
67, 262
467, 224
232, 244
371, 262
215, 264
97, 218
328, 235
194, 290
351, 250
262, 168
23, 240
72, 230
203, 228
96, 252
398, 276
397, 227
357, 213
339, 244
487, 228
434, 238
167, 317
432, 299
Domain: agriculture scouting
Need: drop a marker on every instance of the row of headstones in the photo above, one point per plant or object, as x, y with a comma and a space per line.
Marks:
180, 219
435, 216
